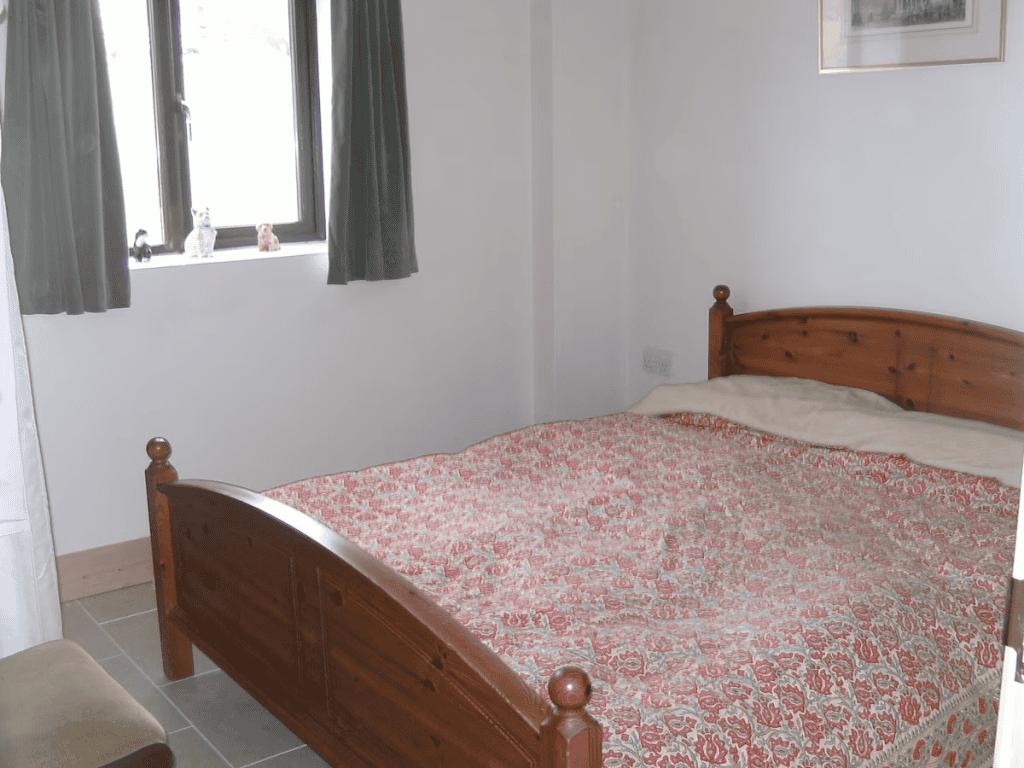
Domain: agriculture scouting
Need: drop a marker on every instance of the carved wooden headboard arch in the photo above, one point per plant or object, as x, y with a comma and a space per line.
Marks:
921, 361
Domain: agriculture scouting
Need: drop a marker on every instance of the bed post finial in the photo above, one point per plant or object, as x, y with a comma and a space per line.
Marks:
716, 332
158, 450
175, 647
571, 737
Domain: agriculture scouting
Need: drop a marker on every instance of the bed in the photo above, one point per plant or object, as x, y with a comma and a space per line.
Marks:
755, 645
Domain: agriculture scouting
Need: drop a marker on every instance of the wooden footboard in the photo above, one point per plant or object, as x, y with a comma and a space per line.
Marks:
342, 649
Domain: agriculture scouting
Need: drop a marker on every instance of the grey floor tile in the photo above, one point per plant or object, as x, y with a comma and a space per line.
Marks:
120, 603
86, 632
304, 757
191, 751
140, 638
148, 695
234, 722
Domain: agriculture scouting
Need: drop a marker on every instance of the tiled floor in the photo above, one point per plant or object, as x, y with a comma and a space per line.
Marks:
210, 721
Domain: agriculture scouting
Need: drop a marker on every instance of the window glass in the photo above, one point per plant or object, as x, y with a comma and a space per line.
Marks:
237, 70
126, 37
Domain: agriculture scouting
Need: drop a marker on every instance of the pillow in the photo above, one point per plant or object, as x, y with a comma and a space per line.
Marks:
804, 390
668, 397
846, 417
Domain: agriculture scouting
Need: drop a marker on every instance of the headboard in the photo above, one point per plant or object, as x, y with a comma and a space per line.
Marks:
922, 362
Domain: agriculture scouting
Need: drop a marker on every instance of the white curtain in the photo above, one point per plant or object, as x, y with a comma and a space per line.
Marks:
29, 605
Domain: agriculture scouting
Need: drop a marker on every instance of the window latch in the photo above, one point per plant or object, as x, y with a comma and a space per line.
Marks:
187, 113
1013, 629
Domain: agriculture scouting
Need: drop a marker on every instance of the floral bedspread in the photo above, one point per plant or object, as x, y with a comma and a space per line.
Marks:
739, 599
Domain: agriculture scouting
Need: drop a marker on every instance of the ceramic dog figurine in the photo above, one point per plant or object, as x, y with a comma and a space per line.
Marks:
142, 250
266, 240
199, 242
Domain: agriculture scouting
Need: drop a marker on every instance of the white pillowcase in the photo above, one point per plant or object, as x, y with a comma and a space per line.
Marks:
776, 388
846, 417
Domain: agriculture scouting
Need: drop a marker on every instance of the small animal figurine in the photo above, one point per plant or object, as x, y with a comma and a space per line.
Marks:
199, 242
266, 240
141, 250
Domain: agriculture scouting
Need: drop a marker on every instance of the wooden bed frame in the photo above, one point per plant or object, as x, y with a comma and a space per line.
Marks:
370, 672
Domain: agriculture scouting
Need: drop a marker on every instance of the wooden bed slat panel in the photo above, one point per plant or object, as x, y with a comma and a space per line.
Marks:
247, 585
977, 383
398, 670
306, 716
835, 353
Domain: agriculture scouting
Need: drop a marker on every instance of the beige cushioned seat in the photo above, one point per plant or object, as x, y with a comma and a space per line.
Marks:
58, 707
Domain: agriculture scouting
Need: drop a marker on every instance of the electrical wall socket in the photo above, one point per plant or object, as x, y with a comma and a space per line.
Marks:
657, 361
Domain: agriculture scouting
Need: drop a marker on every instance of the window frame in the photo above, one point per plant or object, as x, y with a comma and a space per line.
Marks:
172, 132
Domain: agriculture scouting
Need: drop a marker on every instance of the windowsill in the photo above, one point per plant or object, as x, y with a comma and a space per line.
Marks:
316, 247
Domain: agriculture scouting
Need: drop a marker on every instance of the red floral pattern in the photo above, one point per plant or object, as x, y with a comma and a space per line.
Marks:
739, 598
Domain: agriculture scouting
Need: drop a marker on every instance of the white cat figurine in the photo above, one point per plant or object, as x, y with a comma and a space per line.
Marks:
199, 242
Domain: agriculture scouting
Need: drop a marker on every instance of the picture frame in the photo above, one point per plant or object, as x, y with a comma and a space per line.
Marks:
872, 35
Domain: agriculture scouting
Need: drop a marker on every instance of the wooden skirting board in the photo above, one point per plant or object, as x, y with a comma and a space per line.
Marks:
104, 569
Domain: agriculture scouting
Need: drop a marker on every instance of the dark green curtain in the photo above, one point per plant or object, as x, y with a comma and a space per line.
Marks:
59, 167
370, 226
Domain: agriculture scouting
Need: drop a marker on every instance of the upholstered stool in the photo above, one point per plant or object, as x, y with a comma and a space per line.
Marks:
58, 707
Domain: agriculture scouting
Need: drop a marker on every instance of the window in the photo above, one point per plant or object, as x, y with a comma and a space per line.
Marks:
216, 105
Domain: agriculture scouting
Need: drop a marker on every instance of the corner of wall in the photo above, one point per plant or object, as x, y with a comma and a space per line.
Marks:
542, 209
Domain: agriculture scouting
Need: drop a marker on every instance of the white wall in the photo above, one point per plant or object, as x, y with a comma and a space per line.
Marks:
579, 186
901, 188
259, 373
3, 61
591, 182
542, 196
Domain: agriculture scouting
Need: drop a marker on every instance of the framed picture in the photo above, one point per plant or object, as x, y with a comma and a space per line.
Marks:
857, 35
